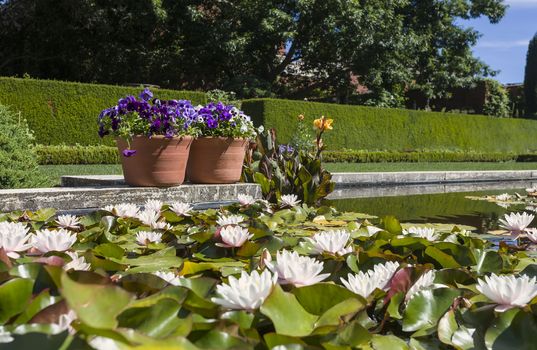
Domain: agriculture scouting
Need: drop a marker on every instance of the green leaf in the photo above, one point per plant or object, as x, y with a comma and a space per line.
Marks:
443, 259
287, 315
513, 329
158, 320
426, 307
273, 339
15, 295
96, 302
392, 225
318, 298
382, 342
353, 334
109, 250
221, 340
488, 261
40, 302
333, 316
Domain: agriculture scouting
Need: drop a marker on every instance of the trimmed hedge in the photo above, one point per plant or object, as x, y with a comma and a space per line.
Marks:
62, 154
66, 113
351, 156
370, 128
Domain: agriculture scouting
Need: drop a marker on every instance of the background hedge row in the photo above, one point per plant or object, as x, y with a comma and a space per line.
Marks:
66, 113
369, 128
78, 154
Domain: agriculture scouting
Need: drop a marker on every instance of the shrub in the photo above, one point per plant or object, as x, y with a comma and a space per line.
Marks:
497, 101
18, 160
369, 128
78, 154
362, 156
66, 113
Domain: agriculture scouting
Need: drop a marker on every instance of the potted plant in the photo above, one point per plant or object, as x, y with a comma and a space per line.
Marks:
153, 136
217, 155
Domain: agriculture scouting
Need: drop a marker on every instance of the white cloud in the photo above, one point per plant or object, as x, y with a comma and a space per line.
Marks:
507, 44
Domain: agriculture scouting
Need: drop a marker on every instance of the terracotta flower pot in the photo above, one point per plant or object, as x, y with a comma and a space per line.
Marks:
216, 160
158, 161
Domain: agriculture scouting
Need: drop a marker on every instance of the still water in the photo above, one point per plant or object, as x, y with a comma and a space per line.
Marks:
450, 207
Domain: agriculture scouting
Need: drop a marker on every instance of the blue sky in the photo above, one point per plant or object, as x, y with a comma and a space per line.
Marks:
503, 46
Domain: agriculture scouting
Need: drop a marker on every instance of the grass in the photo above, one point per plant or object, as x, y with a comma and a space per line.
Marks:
390, 167
52, 173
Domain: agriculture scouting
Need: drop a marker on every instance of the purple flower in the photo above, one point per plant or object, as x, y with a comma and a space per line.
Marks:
286, 149
211, 123
146, 95
129, 152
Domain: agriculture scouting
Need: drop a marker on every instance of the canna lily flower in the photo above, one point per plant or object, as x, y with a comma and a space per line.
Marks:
68, 222
147, 237
14, 238
58, 241
233, 236
169, 277
425, 281
77, 263
153, 204
300, 271
123, 210
516, 222
364, 283
289, 201
323, 123
422, 232
229, 220
247, 292
245, 199
332, 242
508, 291
181, 209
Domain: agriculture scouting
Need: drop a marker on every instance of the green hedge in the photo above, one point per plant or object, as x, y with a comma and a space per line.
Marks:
66, 113
62, 154
369, 128
351, 156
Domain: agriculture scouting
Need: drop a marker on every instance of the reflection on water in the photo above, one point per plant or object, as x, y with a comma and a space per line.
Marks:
438, 208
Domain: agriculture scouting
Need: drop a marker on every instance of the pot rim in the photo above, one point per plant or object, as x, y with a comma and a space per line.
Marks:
222, 138
158, 137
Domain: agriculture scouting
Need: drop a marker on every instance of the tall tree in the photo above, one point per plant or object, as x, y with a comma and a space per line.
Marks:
530, 79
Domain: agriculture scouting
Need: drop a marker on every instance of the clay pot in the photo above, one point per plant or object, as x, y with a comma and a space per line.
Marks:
216, 160
158, 161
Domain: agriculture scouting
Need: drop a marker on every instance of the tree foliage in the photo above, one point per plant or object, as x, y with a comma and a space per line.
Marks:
291, 48
530, 78
497, 100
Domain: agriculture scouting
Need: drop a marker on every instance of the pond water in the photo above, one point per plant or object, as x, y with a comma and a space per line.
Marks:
435, 207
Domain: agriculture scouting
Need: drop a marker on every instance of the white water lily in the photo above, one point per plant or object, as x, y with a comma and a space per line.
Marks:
151, 218
58, 241
516, 222
153, 204
65, 320
103, 343
68, 222
297, 270
289, 201
531, 190
245, 199
5, 336
508, 291
422, 232
364, 283
180, 208
233, 236
123, 210
77, 263
169, 277
503, 197
147, 237
229, 220
332, 242
531, 233
425, 281
14, 238
248, 292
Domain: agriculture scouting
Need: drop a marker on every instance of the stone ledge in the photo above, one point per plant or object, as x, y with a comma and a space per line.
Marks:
68, 198
429, 177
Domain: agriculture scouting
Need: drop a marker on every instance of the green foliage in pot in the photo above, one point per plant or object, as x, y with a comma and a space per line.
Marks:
282, 170
18, 160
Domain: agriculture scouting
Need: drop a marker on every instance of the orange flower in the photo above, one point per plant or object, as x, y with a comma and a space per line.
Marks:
323, 123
